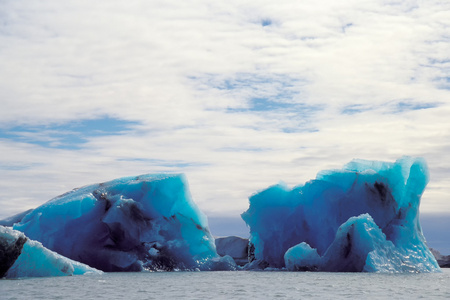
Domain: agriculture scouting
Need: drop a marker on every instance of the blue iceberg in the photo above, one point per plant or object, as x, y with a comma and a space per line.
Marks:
364, 217
147, 222
22, 257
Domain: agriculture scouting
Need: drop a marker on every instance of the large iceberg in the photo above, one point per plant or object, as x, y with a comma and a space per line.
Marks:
148, 222
364, 217
22, 257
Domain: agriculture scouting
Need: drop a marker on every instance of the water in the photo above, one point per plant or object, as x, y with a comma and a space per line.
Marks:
236, 285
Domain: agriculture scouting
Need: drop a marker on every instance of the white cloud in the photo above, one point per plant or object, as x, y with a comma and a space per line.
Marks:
162, 64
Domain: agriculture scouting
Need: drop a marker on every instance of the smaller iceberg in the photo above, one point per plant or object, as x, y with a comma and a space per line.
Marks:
363, 218
443, 260
21, 257
234, 246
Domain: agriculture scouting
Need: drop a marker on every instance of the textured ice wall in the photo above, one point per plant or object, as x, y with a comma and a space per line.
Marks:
129, 224
364, 217
21, 257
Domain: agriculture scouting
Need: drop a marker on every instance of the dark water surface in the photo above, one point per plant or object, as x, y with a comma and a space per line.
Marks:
235, 285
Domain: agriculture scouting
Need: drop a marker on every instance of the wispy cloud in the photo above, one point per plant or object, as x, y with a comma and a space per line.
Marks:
71, 135
237, 95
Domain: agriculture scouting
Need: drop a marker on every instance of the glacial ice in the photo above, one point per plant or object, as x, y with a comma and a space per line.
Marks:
443, 260
364, 217
22, 257
234, 246
10, 221
148, 222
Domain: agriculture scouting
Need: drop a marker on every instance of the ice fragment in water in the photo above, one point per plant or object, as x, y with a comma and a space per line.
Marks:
22, 257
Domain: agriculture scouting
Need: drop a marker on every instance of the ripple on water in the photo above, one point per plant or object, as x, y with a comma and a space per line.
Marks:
238, 285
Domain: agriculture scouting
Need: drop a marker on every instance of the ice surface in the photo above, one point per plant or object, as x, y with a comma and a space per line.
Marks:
302, 257
443, 260
364, 217
234, 246
21, 257
147, 222
10, 221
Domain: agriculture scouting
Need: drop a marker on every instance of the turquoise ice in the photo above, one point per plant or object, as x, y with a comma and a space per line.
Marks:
364, 217
146, 222
22, 257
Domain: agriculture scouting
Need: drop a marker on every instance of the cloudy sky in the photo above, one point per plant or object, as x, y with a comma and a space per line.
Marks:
238, 95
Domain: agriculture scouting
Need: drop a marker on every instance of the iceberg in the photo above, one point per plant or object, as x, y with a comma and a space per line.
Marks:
10, 221
22, 257
362, 218
146, 222
443, 260
234, 246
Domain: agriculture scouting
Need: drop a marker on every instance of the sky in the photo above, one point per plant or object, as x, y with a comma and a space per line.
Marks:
238, 95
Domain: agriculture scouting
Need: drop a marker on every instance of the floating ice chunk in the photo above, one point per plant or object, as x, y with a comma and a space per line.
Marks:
128, 224
234, 246
360, 240
225, 263
389, 193
302, 257
22, 257
11, 244
443, 260
359, 246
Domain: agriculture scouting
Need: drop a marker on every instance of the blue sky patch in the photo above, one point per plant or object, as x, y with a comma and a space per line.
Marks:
403, 106
269, 95
243, 149
300, 112
71, 135
7, 166
264, 105
266, 22
165, 163
395, 107
260, 92
299, 129
443, 83
354, 109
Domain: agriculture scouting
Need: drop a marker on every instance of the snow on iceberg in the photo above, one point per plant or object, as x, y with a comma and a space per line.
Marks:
364, 217
22, 257
148, 222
